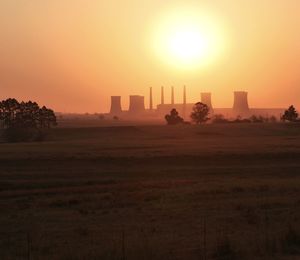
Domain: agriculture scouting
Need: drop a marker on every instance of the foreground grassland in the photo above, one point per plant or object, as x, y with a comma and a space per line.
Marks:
153, 192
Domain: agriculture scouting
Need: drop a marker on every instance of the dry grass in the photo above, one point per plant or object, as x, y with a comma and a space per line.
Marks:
153, 192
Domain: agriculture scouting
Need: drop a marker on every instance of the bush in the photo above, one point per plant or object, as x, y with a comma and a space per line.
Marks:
173, 118
241, 120
219, 119
257, 119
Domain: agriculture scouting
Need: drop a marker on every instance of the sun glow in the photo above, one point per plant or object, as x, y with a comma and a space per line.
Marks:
188, 44
188, 39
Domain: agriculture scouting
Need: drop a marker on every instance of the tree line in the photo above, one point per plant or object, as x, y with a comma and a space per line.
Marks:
24, 120
201, 111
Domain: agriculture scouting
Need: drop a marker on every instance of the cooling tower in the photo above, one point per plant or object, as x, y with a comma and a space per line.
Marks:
136, 104
115, 107
206, 99
240, 104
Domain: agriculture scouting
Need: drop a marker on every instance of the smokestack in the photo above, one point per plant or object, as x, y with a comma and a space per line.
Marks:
184, 102
115, 106
136, 104
151, 99
172, 95
184, 95
240, 104
206, 99
162, 96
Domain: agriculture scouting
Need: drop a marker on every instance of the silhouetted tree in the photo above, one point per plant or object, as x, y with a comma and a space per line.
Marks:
290, 115
24, 120
200, 113
46, 118
8, 111
25, 115
173, 118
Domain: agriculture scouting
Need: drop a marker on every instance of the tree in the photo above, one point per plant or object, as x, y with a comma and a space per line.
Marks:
290, 115
26, 120
173, 118
200, 113
25, 115
8, 110
46, 118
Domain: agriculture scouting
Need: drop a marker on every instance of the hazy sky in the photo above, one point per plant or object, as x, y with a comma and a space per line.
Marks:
72, 55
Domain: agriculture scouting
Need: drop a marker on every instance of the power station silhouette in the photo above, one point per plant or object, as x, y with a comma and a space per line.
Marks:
240, 104
137, 107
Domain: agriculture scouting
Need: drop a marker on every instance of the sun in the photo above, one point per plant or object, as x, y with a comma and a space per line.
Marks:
187, 44
188, 39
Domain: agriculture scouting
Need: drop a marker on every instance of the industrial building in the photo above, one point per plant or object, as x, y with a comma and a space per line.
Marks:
115, 105
138, 110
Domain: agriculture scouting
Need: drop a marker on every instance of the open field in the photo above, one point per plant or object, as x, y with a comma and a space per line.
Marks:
227, 191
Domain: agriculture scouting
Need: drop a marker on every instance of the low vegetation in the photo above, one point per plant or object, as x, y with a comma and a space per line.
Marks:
173, 118
201, 111
219, 119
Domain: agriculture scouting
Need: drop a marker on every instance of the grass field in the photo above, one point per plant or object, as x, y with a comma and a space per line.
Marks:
153, 192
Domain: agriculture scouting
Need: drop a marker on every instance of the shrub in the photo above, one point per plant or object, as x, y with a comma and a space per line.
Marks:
241, 120
256, 119
219, 119
173, 118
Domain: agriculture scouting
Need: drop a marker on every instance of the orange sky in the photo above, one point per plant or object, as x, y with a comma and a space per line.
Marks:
72, 55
